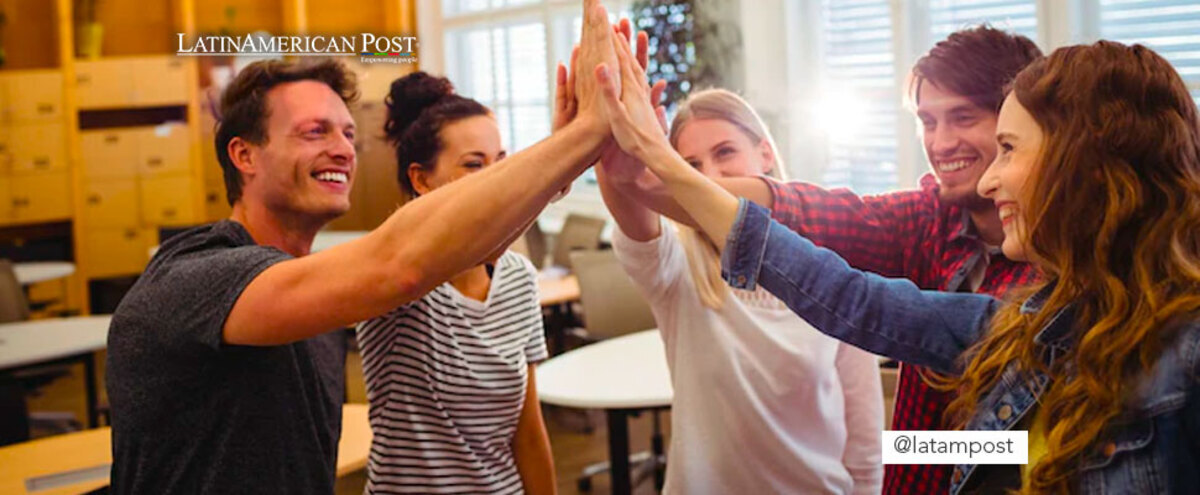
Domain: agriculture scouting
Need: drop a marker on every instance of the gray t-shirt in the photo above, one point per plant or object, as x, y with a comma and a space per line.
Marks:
191, 414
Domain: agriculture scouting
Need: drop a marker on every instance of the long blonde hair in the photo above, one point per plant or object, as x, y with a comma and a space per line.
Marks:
719, 104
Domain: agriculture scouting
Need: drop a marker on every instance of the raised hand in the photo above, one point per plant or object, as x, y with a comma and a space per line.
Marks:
636, 125
595, 50
619, 166
565, 105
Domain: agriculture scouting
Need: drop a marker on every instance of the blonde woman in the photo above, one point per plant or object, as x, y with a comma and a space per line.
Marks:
764, 403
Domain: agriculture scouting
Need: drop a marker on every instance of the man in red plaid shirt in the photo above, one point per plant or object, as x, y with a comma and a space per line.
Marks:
943, 236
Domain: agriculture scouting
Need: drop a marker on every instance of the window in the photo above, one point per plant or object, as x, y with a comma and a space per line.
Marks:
1169, 27
948, 16
858, 105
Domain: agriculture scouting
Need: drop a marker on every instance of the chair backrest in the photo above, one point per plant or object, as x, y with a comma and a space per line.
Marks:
13, 305
535, 244
578, 232
612, 304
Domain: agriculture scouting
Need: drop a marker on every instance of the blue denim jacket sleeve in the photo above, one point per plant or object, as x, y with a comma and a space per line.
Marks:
890, 317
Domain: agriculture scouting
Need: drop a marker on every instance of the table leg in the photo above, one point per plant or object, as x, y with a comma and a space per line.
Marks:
618, 451
93, 402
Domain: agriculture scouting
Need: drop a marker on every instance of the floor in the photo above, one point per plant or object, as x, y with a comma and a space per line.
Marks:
573, 447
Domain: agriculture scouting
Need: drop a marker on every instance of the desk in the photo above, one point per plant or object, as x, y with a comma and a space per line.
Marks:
41, 271
329, 238
82, 460
557, 291
55, 341
622, 376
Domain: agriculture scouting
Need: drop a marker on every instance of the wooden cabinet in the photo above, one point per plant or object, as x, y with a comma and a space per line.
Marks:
109, 153
111, 204
132, 82
37, 148
35, 184
33, 96
164, 204
164, 149
40, 197
116, 252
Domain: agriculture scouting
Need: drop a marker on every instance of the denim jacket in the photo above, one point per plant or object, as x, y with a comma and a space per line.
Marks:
1153, 447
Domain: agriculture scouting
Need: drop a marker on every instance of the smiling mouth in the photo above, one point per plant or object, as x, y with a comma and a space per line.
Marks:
1007, 213
332, 177
954, 166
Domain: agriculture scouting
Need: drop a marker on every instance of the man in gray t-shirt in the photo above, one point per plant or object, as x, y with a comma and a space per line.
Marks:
222, 374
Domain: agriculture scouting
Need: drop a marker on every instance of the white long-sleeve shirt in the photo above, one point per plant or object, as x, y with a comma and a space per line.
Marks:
764, 403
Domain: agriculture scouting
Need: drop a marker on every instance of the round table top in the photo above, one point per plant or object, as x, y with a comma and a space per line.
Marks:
626, 372
41, 271
37, 341
329, 238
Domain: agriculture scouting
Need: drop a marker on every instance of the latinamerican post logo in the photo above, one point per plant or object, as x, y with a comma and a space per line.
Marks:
371, 47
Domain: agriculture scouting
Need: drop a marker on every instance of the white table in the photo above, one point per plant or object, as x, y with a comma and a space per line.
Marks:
622, 376
329, 238
56, 340
41, 271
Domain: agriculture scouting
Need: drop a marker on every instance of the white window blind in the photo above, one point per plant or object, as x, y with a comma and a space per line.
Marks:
858, 102
947, 16
1169, 27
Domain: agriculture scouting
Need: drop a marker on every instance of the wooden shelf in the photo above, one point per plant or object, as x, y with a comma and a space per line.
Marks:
30, 34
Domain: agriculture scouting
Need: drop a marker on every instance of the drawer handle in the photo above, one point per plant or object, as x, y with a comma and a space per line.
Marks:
169, 213
112, 138
46, 108
154, 161
130, 234
83, 78
20, 202
93, 199
211, 197
41, 162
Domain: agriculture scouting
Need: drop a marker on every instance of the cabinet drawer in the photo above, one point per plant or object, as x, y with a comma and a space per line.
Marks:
159, 81
164, 149
37, 148
38, 198
35, 96
111, 204
104, 84
167, 201
114, 252
109, 153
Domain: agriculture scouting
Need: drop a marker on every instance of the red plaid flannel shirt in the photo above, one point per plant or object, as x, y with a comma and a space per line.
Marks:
906, 234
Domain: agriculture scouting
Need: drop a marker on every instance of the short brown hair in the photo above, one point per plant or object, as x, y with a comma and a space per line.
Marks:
244, 109
976, 63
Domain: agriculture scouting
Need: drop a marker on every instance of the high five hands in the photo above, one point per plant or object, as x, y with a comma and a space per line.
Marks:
607, 50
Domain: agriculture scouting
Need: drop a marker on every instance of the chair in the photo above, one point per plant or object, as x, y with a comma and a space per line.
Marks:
535, 244
614, 306
578, 232
15, 307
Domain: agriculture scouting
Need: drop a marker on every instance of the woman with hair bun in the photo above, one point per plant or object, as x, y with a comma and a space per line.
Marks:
450, 378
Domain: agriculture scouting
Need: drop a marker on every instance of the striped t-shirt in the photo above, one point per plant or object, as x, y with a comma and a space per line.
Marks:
446, 378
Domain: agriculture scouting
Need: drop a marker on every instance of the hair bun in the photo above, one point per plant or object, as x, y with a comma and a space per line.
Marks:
409, 96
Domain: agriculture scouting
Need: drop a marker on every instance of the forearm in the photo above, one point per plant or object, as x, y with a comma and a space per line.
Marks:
531, 446
711, 208
890, 317
420, 246
649, 191
635, 220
